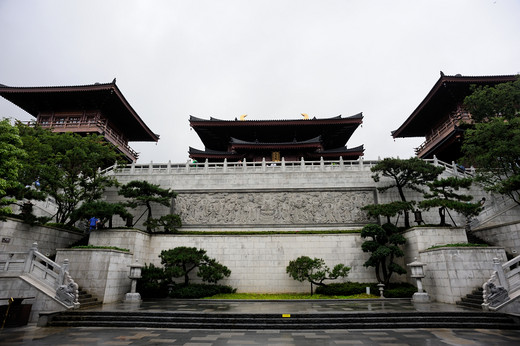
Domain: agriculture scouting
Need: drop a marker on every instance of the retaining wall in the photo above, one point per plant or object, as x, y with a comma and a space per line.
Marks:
16, 236
102, 272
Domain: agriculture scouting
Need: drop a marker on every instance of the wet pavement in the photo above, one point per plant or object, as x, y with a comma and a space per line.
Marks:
33, 335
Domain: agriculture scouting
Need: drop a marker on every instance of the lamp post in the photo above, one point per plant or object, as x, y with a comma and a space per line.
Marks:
417, 269
135, 273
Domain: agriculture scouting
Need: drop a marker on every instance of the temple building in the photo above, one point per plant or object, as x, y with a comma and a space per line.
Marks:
272, 140
97, 108
441, 117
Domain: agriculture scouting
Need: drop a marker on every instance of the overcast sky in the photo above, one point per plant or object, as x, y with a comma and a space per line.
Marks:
267, 59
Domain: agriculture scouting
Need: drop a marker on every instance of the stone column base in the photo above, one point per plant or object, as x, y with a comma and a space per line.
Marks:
132, 298
422, 297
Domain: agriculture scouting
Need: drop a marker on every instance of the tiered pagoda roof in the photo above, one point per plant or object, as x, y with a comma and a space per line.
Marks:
440, 117
292, 139
100, 108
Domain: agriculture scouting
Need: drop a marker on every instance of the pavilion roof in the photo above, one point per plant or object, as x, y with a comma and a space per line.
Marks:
310, 143
446, 94
105, 97
342, 151
334, 132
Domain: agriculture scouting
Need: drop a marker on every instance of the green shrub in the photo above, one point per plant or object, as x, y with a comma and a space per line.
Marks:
153, 282
194, 291
394, 290
399, 290
342, 289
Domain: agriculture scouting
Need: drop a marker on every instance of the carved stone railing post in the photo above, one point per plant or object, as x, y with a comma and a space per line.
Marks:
341, 163
63, 270
302, 163
322, 164
30, 257
496, 289
283, 164
500, 273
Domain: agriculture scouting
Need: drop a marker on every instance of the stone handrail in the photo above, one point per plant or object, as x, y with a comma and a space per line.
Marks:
504, 283
44, 270
263, 166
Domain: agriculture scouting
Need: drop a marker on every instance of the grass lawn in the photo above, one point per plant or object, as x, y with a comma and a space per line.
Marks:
287, 296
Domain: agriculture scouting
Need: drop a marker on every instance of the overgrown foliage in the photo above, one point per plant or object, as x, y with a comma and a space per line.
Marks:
142, 193
411, 173
492, 145
65, 166
181, 261
444, 196
383, 246
315, 271
11, 156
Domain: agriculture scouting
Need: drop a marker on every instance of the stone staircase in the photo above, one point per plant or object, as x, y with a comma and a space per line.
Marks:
86, 300
201, 320
473, 300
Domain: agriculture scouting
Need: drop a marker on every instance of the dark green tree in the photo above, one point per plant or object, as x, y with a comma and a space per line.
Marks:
315, 271
11, 156
488, 102
443, 194
181, 261
383, 245
411, 173
66, 167
104, 211
388, 210
492, 145
142, 193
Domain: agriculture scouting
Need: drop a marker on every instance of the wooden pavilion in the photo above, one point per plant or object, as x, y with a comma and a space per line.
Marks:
272, 140
441, 116
96, 108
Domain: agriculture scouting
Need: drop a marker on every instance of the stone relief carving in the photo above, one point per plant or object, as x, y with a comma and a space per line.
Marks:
285, 208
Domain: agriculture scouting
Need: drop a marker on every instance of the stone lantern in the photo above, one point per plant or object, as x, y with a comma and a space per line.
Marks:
417, 269
135, 273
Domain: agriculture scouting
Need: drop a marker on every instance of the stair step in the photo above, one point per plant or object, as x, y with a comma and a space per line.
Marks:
464, 319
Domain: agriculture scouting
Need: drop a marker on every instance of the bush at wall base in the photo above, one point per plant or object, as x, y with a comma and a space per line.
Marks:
395, 290
193, 291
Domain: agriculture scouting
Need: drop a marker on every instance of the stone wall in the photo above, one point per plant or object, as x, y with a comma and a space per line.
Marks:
257, 262
16, 236
319, 195
17, 287
419, 239
104, 273
452, 273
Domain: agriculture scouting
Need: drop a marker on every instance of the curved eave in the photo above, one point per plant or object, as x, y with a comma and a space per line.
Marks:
212, 154
350, 152
214, 122
105, 97
421, 119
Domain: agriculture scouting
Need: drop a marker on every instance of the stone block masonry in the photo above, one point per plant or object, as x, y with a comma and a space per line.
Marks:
104, 273
257, 262
16, 236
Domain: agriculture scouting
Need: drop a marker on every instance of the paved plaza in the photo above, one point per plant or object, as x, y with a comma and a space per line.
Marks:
33, 335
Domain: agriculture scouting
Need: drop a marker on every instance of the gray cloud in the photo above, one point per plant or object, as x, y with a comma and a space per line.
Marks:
267, 59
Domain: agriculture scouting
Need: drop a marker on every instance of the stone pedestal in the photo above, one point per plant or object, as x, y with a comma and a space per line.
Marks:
421, 297
132, 298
